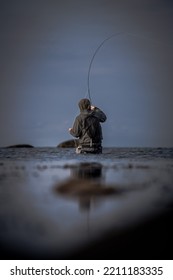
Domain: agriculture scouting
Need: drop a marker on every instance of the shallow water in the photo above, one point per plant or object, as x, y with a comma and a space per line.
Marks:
109, 154
53, 201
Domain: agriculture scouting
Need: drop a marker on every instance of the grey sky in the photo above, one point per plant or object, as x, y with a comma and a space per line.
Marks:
46, 48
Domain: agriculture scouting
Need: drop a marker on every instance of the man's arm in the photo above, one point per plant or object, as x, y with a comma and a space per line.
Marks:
98, 113
75, 131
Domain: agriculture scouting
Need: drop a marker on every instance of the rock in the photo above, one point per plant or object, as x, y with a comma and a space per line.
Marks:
73, 143
20, 146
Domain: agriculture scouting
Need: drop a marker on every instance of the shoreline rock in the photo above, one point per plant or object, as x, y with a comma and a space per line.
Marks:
72, 143
20, 146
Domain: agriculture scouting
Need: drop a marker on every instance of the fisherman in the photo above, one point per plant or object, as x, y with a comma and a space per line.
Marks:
87, 128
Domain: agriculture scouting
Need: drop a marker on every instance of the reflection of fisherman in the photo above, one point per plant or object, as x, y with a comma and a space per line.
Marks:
80, 129
86, 185
90, 172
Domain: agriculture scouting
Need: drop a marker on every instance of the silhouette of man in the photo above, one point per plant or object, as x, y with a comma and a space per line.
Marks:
87, 128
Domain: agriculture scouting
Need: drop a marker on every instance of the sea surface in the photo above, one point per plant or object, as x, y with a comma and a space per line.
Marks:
54, 203
108, 155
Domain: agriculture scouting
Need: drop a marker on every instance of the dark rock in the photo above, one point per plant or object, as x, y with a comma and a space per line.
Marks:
20, 146
73, 143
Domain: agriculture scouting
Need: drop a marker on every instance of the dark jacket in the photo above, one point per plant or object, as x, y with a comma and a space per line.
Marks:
79, 129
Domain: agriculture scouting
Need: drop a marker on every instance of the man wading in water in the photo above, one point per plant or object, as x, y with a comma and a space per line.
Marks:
87, 128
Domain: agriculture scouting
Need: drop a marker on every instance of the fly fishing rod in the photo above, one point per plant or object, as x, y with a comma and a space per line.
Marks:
102, 43
92, 59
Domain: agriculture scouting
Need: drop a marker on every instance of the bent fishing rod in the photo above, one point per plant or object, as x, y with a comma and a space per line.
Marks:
102, 43
92, 59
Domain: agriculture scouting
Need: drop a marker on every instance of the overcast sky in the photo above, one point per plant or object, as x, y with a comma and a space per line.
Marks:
46, 49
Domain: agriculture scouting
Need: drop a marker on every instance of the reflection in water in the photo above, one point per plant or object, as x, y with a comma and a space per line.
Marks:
89, 171
85, 185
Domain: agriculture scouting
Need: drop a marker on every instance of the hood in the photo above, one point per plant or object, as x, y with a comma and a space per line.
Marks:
84, 104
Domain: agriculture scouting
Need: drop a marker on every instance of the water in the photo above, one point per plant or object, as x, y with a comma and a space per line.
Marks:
54, 202
109, 154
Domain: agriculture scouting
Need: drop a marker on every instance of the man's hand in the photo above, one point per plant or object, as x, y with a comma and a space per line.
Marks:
92, 107
70, 129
